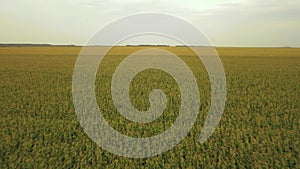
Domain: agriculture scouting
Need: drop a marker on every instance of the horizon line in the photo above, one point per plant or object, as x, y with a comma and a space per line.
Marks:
128, 45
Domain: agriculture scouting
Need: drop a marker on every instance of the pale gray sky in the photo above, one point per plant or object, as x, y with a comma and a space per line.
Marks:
224, 22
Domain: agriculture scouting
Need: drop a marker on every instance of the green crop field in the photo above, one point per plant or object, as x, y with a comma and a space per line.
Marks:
259, 127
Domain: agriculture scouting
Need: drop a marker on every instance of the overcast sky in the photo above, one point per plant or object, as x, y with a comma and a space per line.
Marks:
224, 22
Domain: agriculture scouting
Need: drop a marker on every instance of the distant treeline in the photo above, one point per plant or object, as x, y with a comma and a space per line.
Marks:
147, 45
158, 45
20, 45
71, 45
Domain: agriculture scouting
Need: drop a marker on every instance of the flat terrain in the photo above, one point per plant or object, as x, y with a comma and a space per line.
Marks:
259, 127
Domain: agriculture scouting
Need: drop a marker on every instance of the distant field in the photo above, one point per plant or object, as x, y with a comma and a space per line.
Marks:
259, 127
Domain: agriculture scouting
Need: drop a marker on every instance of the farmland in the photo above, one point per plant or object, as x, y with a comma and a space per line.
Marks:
259, 127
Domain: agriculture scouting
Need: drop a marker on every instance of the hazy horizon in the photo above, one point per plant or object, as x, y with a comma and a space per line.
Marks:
128, 45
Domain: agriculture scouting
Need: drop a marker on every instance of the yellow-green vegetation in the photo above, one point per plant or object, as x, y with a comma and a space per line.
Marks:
259, 127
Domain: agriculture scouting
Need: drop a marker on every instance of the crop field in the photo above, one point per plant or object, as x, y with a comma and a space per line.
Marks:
259, 127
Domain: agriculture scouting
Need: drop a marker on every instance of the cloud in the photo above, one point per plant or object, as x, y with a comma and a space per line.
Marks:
252, 23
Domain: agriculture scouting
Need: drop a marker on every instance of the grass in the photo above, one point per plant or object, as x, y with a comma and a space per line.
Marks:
259, 127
